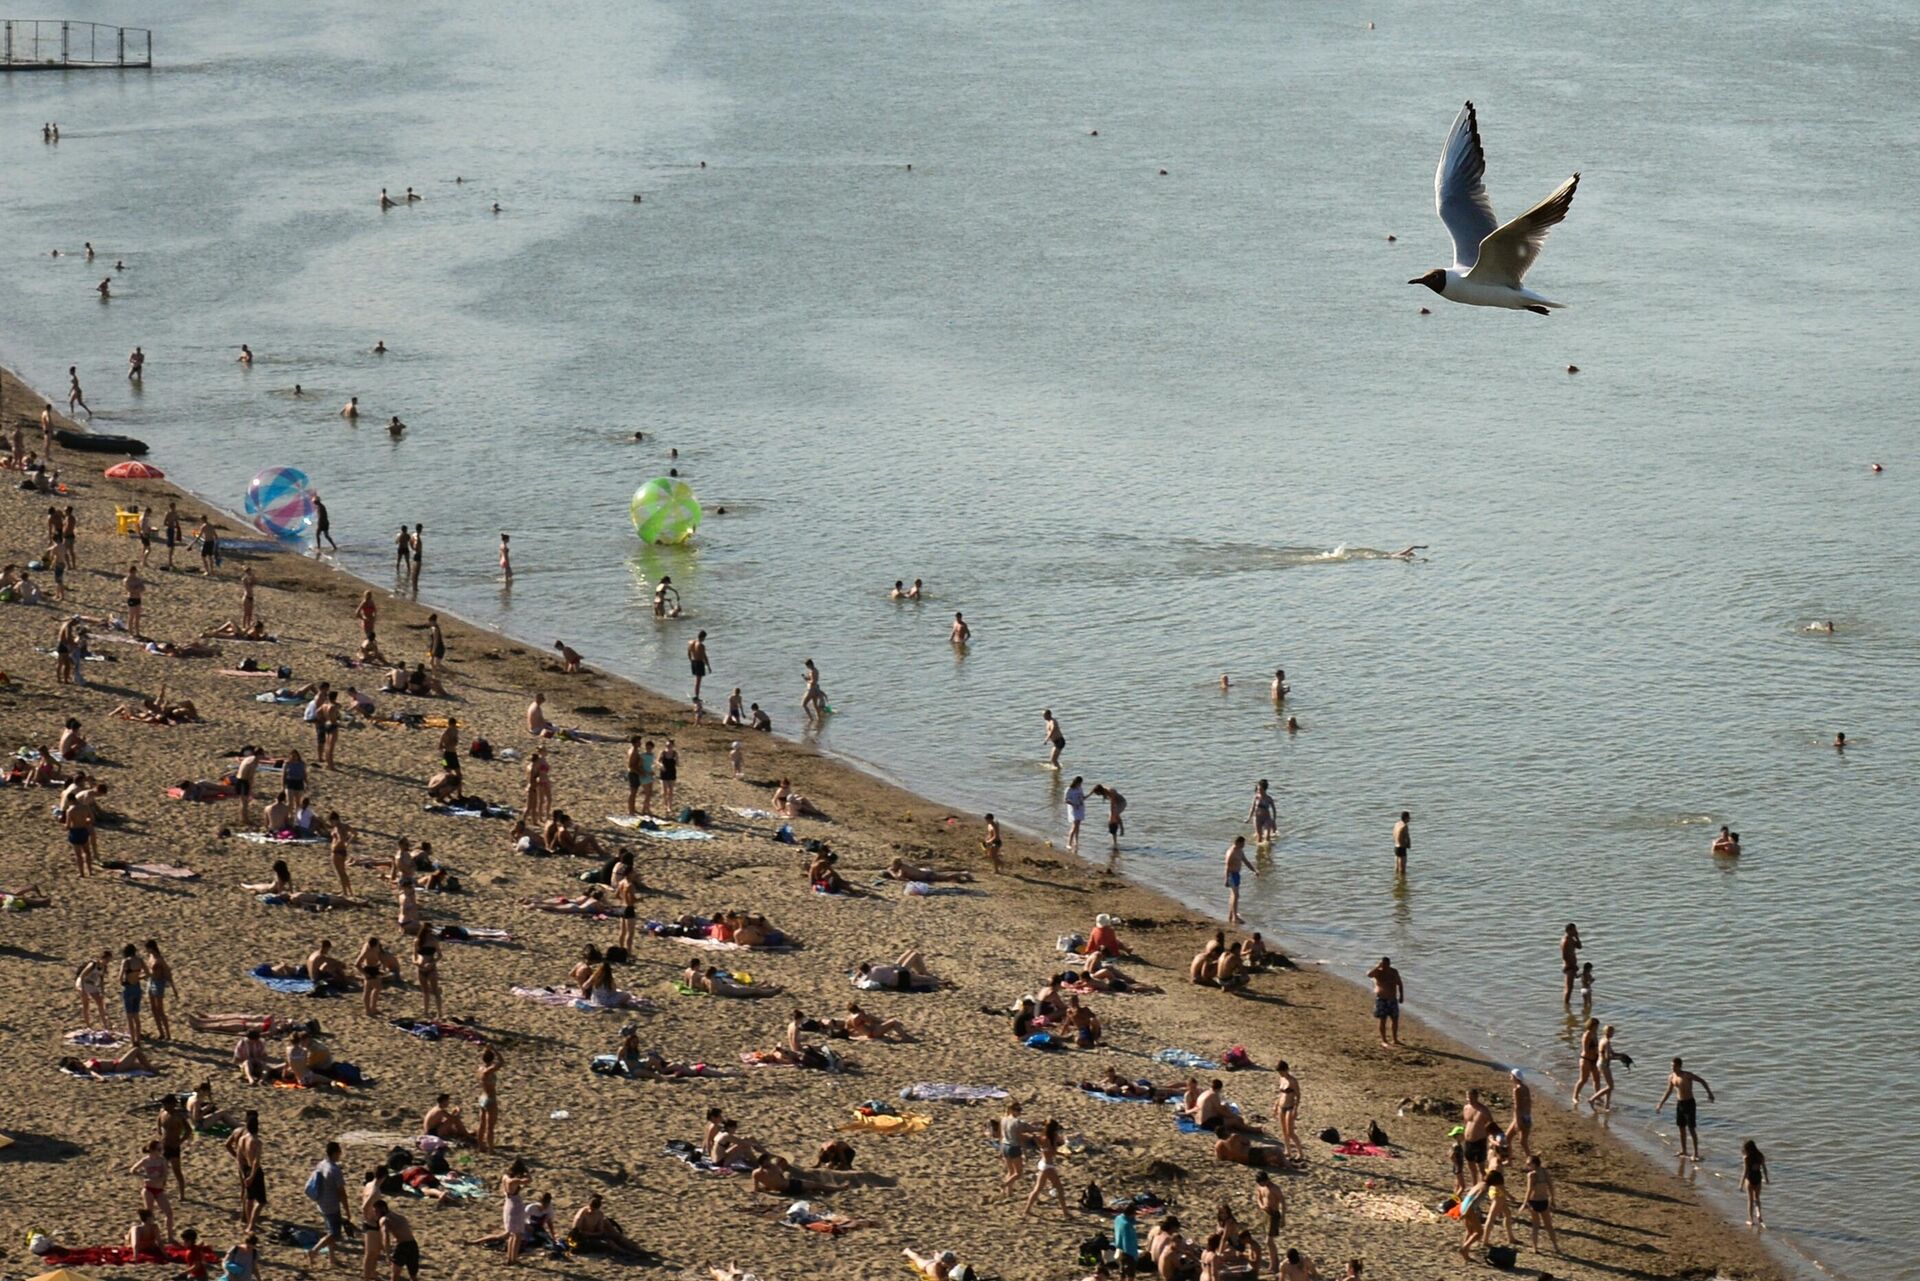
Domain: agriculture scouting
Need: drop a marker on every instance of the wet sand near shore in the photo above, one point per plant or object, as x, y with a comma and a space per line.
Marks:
993, 941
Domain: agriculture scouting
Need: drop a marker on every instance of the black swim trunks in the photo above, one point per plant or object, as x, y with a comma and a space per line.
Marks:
1687, 1112
406, 1254
257, 1188
1475, 1151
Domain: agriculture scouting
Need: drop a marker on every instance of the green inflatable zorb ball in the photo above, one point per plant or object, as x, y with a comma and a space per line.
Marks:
664, 510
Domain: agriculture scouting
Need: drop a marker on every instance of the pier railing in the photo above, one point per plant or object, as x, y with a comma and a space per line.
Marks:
55, 44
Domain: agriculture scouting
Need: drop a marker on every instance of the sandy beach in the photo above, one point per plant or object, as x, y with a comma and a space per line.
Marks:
992, 942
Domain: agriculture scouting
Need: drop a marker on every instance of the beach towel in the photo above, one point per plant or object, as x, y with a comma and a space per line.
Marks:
463, 1187
684, 1152
475, 934
1354, 1147
1187, 1125
470, 811
276, 838
910, 1123
547, 995
279, 696
202, 790
747, 811
241, 671
154, 872
94, 1036
943, 1092
125, 1074
286, 987
434, 1030
120, 1255
375, 1139
714, 945
1185, 1059
650, 829
1103, 1097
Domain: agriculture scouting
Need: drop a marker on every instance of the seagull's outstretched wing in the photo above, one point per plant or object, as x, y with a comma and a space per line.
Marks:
1460, 190
1508, 252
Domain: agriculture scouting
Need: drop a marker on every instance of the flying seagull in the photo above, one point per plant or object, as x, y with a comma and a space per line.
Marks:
1489, 260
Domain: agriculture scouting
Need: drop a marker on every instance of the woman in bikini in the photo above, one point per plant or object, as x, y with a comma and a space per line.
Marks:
159, 979
371, 962
1753, 1174
1540, 1203
426, 966
669, 773
152, 1169
489, 1077
339, 837
1287, 1108
539, 787
1047, 1172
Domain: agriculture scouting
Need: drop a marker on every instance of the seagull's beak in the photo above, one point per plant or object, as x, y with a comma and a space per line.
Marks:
1417, 281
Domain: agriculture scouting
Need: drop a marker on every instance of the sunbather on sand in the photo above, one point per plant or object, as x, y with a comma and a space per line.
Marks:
822, 877
238, 1024
598, 990
591, 903
716, 982
1105, 977
748, 929
775, 1175
593, 1230
901, 870
134, 1060
788, 803
443, 1121
867, 1027
652, 1065
1239, 1150
158, 711
908, 974
232, 630
1111, 1082
26, 896
282, 882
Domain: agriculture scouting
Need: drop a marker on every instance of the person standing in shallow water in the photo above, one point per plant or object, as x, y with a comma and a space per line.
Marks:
1055, 740
698, 662
1402, 842
1236, 864
1686, 1108
1570, 946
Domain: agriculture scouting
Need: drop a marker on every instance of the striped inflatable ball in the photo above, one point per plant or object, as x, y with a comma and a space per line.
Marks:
280, 502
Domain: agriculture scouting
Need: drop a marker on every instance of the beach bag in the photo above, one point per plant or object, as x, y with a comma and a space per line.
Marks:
1503, 1257
438, 1163
1329, 1135
1042, 1041
785, 835
1236, 1059
1091, 1200
313, 1185
1377, 1136
480, 749
616, 955
249, 665
1091, 1251
398, 1159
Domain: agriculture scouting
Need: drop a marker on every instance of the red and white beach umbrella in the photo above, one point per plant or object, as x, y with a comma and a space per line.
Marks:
135, 471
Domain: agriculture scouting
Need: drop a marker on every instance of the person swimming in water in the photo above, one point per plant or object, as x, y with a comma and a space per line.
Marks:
1407, 553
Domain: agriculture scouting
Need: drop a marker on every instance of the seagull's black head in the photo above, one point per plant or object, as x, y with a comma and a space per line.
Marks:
1434, 280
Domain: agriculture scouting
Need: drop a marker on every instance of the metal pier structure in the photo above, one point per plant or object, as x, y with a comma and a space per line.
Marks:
55, 44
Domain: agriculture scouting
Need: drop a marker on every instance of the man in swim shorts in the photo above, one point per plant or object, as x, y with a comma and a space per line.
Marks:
1686, 1110
1388, 991
1570, 946
697, 660
1402, 842
1236, 863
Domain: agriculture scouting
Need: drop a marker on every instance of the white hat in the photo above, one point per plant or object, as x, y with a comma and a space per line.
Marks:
1103, 919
